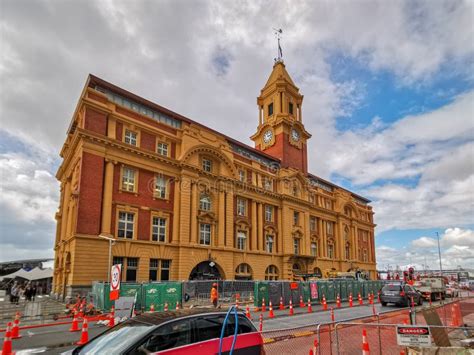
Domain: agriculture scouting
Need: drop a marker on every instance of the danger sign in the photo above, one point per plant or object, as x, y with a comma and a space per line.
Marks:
413, 336
115, 276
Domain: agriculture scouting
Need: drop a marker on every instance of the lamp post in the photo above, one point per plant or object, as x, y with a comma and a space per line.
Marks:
111, 242
439, 253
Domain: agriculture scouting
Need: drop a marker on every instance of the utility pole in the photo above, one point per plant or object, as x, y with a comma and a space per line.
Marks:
439, 253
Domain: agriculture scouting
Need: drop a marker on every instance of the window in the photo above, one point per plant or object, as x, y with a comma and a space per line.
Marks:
128, 179
270, 109
347, 211
290, 108
205, 234
165, 270
271, 273
242, 175
267, 183
168, 336
296, 218
158, 233
153, 273
314, 249
130, 137
117, 260
243, 272
126, 225
205, 203
268, 213
269, 243
241, 240
346, 233
313, 224
160, 186
131, 273
312, 198
296, 246
348, 251
364, 235
162, 149
329, 228
241, 207
207, 165
330, 251
365, 259
328, 204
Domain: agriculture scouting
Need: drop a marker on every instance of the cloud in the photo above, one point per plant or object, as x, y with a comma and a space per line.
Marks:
456, 238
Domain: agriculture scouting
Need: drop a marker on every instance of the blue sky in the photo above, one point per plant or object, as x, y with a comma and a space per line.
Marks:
388, 97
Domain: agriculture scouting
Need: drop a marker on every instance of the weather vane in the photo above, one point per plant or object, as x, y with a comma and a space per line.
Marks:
278, 33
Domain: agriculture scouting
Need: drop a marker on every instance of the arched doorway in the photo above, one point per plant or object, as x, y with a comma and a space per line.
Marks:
206, 270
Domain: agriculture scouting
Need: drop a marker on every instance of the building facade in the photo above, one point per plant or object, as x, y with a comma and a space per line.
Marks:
182, 201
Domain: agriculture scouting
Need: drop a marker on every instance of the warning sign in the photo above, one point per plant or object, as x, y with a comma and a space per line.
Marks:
413, 336
115, 276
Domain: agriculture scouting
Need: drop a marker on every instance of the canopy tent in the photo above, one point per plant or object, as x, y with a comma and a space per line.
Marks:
32, 275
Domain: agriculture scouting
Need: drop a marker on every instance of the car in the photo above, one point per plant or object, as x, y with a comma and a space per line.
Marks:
400, 293
452, 291
175, 332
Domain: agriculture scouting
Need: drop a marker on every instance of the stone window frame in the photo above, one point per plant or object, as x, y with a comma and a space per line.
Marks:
134, 131
164, 216
272, 272
269, 213
205, 206
158, 193
126, 209
241, 242
243, 269
201, 231
243, 207
123, 187
162, 148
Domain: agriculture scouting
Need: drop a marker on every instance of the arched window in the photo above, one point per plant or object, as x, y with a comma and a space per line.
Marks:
348, 251
296, 267
271, 273
317, 272
243, 272
205, 203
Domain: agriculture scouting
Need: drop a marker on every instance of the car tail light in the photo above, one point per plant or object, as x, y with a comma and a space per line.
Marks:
402, 293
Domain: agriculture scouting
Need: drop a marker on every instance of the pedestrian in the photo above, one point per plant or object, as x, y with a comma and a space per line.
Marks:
13, 292
214, 294
33, 292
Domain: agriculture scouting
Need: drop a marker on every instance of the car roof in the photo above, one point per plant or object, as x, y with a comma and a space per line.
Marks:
157, 318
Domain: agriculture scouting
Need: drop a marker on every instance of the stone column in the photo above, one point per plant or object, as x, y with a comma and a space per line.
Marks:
193, 220
111, 127
185, 208
280, 234
324, 239
260, 114
307, 234
260, 226
106, 221
356, 242
253, 221
221, 220
65, 208
229, 217
175, 238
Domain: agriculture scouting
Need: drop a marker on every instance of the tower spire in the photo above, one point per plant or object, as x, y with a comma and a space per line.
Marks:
278, 33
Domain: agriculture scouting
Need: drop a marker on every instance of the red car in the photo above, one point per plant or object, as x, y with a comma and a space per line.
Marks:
189, 331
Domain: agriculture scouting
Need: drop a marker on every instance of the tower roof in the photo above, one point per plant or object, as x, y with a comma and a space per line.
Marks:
279, 73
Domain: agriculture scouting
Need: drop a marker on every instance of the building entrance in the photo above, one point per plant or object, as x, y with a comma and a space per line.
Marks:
206, 270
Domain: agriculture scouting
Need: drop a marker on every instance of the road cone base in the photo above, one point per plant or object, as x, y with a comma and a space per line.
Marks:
82, 342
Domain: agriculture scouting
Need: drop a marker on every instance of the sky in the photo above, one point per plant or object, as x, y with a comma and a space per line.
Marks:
388, 96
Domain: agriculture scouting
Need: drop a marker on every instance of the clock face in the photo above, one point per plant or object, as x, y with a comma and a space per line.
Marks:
267, 136
295, 135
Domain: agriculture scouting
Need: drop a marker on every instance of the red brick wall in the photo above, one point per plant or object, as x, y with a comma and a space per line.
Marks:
290, 155
90, 195
95, 121
119, 130
148, 141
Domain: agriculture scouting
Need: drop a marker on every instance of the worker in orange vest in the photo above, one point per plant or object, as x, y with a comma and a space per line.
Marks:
214, 294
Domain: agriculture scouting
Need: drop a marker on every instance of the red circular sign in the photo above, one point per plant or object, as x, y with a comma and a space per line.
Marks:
115, 277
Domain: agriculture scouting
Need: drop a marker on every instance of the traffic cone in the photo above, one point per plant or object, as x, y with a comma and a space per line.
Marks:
7, 342
361, 301
264, 308
291, 308
338, 301
311, 352
325, 305
84, 334
177, 305
270, 314
350, 300
301, 302
16, 327
152, 308
247, 312
378, 296
261, 322
282, 307
74, 325
166, 307
310, 309
112, 317
315, 346
236, 302
365, 344
332, 315
371, 298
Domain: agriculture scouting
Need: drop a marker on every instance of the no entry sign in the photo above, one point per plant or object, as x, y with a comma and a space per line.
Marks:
115, 276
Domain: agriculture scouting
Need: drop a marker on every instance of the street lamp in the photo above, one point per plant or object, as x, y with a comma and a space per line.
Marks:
111, 242
439, 253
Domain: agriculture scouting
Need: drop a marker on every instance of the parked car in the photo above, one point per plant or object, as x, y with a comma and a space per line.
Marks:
176, 332
400, 293
452, 291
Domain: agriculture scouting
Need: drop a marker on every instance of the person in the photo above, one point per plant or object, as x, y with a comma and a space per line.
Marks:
33, 292
14, 292
214, 294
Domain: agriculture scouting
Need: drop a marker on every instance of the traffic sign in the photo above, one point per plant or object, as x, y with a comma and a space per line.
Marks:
115, 276
413, 336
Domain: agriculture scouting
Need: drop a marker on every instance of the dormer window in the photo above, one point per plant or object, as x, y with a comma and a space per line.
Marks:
206, 165
270, 109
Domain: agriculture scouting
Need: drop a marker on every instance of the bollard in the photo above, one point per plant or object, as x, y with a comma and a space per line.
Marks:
264, 308
16, 327
365, 344
291, 308
361, 301
350, 300
332, 315
270, 314
310, 309
338, 301
301, 302
247, 312
325, 305
282, 307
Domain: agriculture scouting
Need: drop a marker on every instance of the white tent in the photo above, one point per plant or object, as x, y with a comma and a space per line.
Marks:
32, 275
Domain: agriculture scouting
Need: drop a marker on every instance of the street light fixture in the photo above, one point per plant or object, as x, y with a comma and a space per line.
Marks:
111, 242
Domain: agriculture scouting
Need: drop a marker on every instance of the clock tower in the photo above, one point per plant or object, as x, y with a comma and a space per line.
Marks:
280, 132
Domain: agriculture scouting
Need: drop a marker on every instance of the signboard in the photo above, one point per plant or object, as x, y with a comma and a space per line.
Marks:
314, 290
115, 276
124, 307
413, 335
294, 285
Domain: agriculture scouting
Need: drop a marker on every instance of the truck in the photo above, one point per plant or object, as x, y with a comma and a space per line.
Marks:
431, 287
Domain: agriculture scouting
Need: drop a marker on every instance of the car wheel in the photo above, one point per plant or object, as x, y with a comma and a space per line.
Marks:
383, 304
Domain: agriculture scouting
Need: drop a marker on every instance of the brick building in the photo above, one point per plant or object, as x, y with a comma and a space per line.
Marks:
183, 201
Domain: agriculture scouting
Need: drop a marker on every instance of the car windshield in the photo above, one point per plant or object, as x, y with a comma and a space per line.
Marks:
116, 339
391, 288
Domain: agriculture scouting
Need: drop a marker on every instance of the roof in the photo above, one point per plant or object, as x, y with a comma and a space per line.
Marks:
279, 72
35, 274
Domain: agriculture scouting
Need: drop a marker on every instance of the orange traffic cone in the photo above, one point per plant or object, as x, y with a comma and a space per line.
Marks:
261, 322
310, 308
16, 327
311, 352
325, 305
350, 300
112, 317
236, 302
177, 305
166, 307
361, 301
282, 307
338, 301
301, 302
84, 334
365, 344
7, 342
74, 325
315, 346
332, 315
291, 308
270, 314
247, 312
264, 308
378, 297
152, 308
